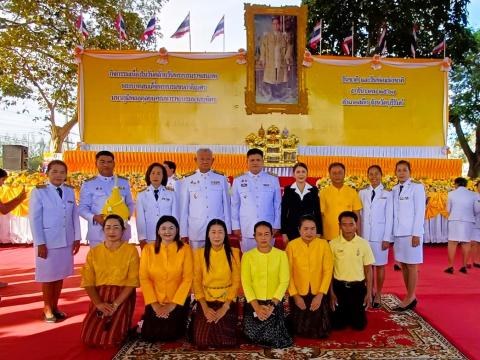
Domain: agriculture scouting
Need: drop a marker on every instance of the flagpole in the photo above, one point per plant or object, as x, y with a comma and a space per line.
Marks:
190, 33
320, 47
353, 40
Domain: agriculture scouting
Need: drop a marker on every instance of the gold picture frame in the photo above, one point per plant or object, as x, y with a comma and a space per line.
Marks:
275, 50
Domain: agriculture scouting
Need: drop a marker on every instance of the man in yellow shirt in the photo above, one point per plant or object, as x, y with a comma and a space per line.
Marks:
336, 198
352, 275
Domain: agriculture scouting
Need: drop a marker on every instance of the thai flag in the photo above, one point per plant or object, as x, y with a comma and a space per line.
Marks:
80, 25
413, 45
149, 30
316, 35
439, 48
219, 30
346, 43
183, 28
381, 45
120, 26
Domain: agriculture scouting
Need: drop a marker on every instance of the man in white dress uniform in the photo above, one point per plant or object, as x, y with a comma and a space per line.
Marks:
255, 197
96, 191
203, 197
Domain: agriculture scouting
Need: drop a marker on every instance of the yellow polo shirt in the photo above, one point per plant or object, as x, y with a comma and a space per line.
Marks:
311, 266
334, 201
265, 275
349, 258
218, 283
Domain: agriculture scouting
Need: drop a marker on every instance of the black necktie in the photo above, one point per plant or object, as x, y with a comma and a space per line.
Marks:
60, 192
373, 195
401, 188
155, 193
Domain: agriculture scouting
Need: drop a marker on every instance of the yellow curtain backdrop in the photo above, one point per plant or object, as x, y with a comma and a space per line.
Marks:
234, 164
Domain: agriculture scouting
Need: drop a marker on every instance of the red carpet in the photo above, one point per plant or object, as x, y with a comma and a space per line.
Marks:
448, 302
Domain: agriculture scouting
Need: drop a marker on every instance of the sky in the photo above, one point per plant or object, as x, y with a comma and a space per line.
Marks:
204, 17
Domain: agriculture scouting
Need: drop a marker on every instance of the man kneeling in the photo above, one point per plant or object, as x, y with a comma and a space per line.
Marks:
352, 275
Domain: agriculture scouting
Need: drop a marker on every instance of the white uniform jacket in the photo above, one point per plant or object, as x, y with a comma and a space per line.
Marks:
408, 209
377, 215
461, 205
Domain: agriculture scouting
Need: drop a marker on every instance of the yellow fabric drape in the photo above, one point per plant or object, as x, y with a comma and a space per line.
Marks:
437, 205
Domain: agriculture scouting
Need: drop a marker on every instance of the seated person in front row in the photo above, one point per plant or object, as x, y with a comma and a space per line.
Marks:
216, 281
166, 274
311, 268
352, 275
110, 276
265, 277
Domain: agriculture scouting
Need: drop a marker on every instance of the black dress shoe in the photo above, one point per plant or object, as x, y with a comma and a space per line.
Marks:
376, 305
60, 315
408, 307
476, 265
397, 267
448, 270
463, 270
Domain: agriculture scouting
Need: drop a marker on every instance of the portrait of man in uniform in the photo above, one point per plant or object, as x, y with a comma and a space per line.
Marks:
275, 51
276, 64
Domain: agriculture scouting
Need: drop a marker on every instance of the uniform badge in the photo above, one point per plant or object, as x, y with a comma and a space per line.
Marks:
358, 252
70, 201
215, 182
266, 184
195, 196
245, 185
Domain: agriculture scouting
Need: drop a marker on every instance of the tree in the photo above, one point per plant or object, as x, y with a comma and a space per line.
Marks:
37, 40
465, 105
435, 19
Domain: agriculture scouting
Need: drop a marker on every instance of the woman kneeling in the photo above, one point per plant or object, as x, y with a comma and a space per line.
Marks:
166, 272
110, 276
265, 277
216, 281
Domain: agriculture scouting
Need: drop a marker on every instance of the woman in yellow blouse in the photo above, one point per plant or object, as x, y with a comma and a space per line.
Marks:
216, 281
110, 276
265, 277
166, 273
311, 268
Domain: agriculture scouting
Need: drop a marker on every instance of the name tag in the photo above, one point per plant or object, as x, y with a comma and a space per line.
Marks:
215, 182
404, 198
267, 185
70, 201
166, 199
243, 185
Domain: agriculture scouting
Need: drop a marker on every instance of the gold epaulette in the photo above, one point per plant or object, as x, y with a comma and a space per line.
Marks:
271, 173
139, 191
416, 181
122, 177
218, 172
177, 177
364, 188
189, 174
41, 186
169, 188
90, 179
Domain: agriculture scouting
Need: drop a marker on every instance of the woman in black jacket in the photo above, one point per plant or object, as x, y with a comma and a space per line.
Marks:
299, 199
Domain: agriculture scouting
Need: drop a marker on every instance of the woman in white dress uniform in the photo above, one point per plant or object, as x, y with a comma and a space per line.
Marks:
461, 220
154, 202
55, 225
475, 251
377, 224
408, 227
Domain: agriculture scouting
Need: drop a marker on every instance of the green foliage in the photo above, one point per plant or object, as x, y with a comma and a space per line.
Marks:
465, 87
434, 18
37, 40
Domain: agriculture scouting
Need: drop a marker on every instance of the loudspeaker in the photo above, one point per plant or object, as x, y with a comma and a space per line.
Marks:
15, 157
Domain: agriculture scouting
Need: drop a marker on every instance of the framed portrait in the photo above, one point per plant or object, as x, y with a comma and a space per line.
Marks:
275, 49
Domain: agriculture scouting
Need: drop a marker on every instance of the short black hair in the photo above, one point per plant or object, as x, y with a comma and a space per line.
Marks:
263, 223
347, 214
335, 164
104, 153
3, 173
460, 181
116, 217
375, 167
299, 164
307, 217
254, 151
149, 172
170, 164
403, 162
